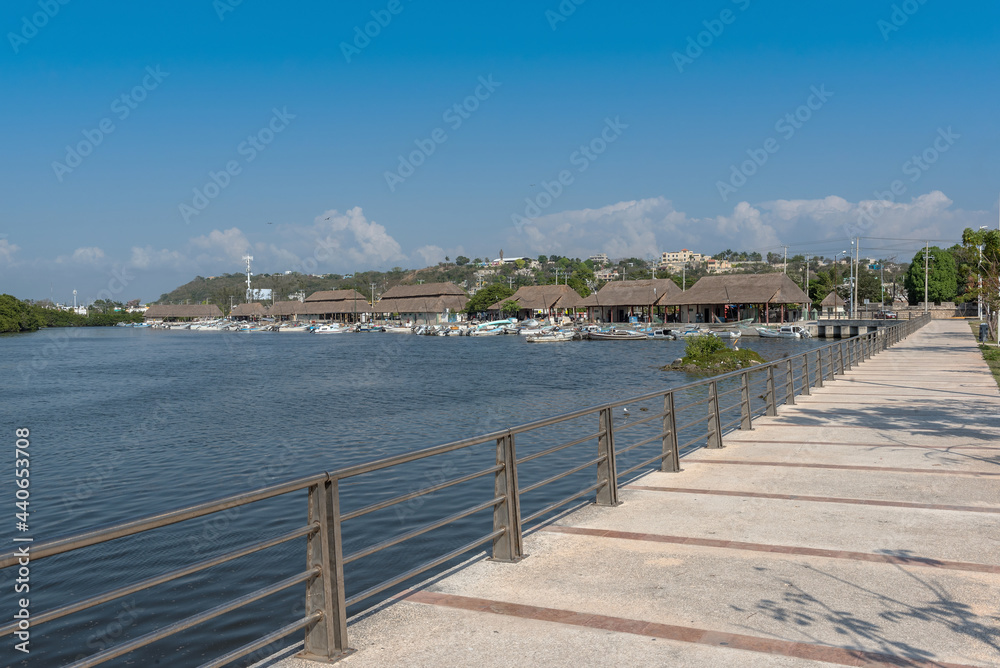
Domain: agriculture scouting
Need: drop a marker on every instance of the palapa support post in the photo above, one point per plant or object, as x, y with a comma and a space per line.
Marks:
508, 546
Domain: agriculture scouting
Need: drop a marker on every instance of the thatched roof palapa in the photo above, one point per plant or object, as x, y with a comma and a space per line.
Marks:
336, 296
740, 289
293, 307
250, 310
422, 298
645, 292
832, 300
158, 311
542, 298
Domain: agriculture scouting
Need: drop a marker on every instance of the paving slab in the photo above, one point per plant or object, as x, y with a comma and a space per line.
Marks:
858, 527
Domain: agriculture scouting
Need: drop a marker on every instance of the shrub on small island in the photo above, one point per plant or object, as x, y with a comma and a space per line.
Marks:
708, 354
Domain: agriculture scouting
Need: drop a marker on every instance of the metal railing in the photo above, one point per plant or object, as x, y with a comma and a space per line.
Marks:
711, 407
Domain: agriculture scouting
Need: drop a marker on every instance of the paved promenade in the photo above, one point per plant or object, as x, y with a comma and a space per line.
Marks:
859, 527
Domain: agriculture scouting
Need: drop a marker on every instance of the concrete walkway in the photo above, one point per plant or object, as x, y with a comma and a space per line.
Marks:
859, 527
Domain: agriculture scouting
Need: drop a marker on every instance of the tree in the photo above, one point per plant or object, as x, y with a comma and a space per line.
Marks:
461, 260
942, 277
509, 307
486, 297
542, 259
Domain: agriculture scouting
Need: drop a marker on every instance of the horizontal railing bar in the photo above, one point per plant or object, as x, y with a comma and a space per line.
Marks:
194, 620
692, 441
405, 458
692, 424
559, 476
641, 443
56, 613
729, 408
421, 530
104, 534
636, 423
678, 409
264, 641
421, 492
728, 392
645, 463
732, 422
371, 591
552, 506
557, 448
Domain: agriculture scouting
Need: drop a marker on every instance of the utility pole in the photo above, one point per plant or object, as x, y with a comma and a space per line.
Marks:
784, 268
684, 280
850, 288
809, 308
857, 276
881, 280
926, 256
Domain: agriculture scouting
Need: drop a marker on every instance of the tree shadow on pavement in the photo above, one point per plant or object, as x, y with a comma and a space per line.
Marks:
811, 619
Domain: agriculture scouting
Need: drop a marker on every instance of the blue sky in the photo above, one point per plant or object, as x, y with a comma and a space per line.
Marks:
650, 132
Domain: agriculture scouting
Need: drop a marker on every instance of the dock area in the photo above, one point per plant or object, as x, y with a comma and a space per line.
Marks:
858, 527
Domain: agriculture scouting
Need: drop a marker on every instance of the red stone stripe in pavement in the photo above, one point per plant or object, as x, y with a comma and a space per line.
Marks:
868, 445
819, 499
825, 653
778, 549
843, 467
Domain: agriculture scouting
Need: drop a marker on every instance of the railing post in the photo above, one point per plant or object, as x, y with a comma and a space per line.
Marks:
820, 371
326, 640
606, 470
671, 461
771, 404
805, 374
746, 412
846, 363
789, 383
507, 514
714, 419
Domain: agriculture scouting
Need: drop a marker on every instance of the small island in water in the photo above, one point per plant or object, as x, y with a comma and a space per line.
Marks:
707, 354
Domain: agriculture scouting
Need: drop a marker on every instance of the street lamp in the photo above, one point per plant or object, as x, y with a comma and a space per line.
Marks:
979, 271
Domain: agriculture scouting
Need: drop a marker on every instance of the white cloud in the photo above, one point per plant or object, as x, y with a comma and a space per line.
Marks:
88, 255
148, 257
646, 227
351, 240
221, 246
7, 251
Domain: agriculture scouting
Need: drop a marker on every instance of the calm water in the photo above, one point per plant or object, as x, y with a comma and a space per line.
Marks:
128, 422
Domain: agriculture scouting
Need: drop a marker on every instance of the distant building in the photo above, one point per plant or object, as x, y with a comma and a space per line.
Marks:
714, 266
607, 274
250, 311
833, 305
678, 259
599, 258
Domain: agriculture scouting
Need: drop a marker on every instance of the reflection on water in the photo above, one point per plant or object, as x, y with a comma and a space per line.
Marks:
129, 422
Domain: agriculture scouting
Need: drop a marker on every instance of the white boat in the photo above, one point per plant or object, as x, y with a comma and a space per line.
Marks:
493, 331
727, 333
399, 330
550, 337
296, 327
665, 334
784, 332
329, 329
617, 335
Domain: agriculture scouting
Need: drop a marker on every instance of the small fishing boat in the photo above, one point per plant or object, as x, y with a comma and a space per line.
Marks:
550, 337
329, 329
784, 332
617, 335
